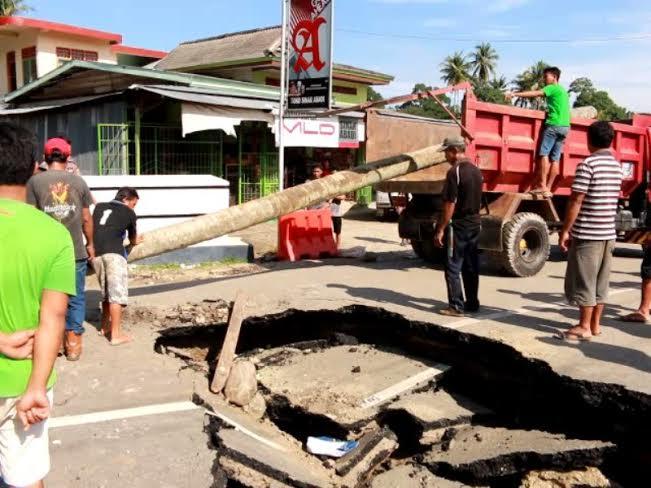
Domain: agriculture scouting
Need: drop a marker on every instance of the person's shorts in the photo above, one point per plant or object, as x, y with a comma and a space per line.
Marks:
645, 272
113, 275
336, 225
553, 139
24, 455
588, 272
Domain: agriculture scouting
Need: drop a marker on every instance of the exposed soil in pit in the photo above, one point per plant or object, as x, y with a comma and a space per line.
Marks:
586, 424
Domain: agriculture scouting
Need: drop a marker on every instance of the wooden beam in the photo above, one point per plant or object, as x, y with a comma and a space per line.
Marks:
227, 353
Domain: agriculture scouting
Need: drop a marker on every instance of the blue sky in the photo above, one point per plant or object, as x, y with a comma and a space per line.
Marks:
414, 35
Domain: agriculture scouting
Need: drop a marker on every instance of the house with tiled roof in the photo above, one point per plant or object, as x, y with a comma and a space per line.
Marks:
254, 56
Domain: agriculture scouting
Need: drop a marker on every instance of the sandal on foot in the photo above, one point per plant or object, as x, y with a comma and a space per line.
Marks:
451, 312
635, 317
569, 336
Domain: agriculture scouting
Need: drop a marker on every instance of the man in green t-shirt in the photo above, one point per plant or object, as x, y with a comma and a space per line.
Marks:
555, 131
37, 274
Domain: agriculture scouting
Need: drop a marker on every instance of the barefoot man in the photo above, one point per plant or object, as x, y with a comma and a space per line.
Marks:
589, 232
557, 127
112, 221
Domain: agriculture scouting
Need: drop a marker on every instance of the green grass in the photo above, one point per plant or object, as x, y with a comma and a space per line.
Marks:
227, 261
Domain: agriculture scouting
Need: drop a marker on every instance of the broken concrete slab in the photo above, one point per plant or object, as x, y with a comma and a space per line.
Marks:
412, 476
435, 410
372, 455
290, 467
246, 476
322, 382
481, 453
584, 478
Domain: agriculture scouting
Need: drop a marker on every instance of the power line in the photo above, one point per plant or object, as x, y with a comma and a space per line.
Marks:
641, 37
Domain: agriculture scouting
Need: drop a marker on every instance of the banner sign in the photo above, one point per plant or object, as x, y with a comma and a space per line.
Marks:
310, 54
331, 132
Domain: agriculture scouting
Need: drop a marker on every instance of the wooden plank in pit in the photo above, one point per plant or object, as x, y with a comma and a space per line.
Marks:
227, 354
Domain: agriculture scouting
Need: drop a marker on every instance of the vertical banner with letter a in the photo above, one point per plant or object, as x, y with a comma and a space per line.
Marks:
310, 54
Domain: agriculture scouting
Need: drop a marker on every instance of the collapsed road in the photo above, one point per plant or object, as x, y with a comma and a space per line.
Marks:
429, 405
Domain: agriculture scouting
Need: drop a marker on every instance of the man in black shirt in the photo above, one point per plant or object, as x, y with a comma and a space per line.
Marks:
458, 228
113, 222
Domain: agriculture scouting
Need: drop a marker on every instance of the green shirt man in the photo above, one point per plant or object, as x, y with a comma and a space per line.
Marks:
555, 131
36, 254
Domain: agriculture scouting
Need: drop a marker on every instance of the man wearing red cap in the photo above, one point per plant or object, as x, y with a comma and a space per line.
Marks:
66, 197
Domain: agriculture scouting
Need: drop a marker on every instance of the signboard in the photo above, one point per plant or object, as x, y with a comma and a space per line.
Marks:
330, 132
310, 54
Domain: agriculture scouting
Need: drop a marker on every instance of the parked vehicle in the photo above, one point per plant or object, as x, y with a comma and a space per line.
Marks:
516, 226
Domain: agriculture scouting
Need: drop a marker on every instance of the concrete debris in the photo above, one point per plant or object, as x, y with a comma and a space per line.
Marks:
436, 410
289, 467
587, 112
204, 313
412, 476
323, 383
241, 385
505, 452
345, 339
373, 449
585, 478
257, 407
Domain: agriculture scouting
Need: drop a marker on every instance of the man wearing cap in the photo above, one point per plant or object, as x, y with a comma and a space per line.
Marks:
66, 197
458, 228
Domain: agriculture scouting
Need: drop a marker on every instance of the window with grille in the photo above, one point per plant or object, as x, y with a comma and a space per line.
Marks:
65, 54
30, 72
12, 80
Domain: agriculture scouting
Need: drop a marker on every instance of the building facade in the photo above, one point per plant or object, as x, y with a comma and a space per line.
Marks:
31, 48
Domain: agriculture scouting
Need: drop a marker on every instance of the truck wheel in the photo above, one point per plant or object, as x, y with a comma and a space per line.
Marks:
427, 251
526, 244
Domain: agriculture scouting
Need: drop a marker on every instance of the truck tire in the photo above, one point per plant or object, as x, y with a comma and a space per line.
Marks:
427, 251
526, 244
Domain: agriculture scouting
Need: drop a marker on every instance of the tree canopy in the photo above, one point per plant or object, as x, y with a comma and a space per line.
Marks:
13, 7
456, 68
588, 95
483, 61
425, 107
372, 95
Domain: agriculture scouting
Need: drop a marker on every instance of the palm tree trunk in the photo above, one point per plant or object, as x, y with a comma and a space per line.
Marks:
211, 226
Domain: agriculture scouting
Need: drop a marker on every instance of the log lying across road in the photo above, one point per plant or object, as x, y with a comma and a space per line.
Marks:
211, 226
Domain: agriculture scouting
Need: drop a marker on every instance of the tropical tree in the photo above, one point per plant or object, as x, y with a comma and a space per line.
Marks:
483, 61
589, 96
372, 95
455, 68
531, 79
500, 83
425, 107
13, 7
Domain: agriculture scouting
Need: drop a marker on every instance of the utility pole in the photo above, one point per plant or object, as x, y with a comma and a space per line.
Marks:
283, 98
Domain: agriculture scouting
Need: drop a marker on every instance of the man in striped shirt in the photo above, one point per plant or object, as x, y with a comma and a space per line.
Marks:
589, 231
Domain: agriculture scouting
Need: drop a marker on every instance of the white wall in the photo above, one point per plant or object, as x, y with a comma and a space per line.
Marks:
16, 44
48, 42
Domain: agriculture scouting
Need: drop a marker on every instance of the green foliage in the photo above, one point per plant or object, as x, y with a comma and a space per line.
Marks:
491, 92
372, 95
455, 68
425, 107
588, 95
13, 7
531, 79
483, 61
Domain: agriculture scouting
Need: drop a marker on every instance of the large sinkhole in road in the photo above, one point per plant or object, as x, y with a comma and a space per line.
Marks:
490, 418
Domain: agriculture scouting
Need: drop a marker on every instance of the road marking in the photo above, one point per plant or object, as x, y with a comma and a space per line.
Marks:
245, 431
520, 311
125, 413
402, 386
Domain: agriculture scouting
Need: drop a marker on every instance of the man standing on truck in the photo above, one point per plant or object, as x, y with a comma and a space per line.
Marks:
458, 229
555, 131
589, 232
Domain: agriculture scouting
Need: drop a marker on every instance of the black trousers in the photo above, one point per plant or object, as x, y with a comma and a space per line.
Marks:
463, 261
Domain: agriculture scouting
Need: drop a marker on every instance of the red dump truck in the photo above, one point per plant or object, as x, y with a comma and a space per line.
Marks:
516, 227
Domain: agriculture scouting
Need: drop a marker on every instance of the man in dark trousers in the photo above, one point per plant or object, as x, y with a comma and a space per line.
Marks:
458, 229
113, 221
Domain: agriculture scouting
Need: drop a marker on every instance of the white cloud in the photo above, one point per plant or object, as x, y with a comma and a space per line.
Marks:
505, 5
440, 22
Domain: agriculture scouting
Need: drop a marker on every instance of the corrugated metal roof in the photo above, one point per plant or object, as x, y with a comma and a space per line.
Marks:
49, 105
206, 97
226, 87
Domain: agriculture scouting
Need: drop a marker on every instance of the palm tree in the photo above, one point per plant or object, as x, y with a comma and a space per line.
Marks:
484, 61
501, 83
455, 68
13, 7
531, 79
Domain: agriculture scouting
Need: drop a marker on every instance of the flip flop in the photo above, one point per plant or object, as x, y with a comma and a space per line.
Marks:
548, 194
635, 317
568, 336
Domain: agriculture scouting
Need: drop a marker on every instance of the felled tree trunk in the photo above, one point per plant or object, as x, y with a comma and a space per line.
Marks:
211, 226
